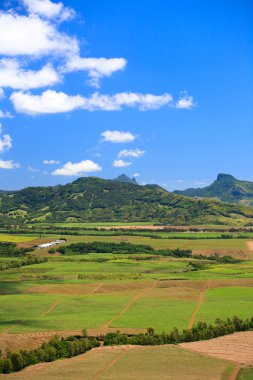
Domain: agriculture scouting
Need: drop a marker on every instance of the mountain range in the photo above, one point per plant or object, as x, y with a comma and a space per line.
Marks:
94, 199
226, 188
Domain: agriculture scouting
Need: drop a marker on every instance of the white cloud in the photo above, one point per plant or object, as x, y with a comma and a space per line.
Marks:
1, 93
79, 168
32, 36
33, 170
135, 175
51, 162
97, 68
14, 76
117, 136
48, 9
49, 102
5, 115
135, 153
8, 165
185, 102
5, 141
121, 164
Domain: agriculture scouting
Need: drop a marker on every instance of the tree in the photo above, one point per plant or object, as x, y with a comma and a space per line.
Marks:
17, 361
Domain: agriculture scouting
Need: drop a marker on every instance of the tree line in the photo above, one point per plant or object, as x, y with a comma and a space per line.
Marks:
56, 348
61, 348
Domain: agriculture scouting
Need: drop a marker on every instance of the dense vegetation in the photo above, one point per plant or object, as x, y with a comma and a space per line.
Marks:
104, 247
58, 348
201, 331
227, 188
94, 200
10, 250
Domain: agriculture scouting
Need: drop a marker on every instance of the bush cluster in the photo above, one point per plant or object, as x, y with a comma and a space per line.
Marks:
56, 348
23, 262
11, 250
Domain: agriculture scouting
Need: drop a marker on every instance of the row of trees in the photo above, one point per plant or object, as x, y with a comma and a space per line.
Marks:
56, 348
201, 331
22, 262
60, 348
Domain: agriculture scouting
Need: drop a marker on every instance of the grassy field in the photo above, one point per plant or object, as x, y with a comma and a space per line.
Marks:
127, 363
13, 238
246, 374
127, 292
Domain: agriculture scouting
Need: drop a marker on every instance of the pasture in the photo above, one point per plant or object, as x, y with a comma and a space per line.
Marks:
131, 362
105, 292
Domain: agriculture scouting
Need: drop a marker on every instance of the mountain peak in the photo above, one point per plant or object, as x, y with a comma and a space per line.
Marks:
124, 178
222, 176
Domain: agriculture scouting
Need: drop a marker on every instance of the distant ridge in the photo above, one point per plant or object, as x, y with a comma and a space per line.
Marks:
93, 199
226, 188
124, 178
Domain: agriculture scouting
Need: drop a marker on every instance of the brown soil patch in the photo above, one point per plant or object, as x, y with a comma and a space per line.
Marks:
236, 253
31, 243
234, 375
250, 245
216, 283
236, 347
25, 341
200, 301
77, 289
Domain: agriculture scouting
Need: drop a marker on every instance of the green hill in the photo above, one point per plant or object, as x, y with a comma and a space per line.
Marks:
95, 199
226, 188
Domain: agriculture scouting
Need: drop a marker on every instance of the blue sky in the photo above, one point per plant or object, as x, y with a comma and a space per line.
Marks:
162, 90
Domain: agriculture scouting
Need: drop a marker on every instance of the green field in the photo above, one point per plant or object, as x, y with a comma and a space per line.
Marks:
13, 238
123, 363
105, 292
246, 374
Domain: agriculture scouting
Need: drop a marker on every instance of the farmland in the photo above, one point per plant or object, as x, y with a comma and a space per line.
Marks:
132, 362
124, 291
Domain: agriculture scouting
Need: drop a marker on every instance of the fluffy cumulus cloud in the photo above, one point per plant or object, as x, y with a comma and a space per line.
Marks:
32, 36
48, 9
97, 68
51, 162
185, 102
134, 153
79, 168
5, 141
117, 136
13, 75
8, 164
49, 102
121, 164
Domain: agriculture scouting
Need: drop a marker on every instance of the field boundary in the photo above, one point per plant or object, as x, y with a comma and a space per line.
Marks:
200, 302
135, 298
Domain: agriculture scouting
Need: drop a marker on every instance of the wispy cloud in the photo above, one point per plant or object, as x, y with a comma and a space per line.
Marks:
96, 68
134, 153
121, 164
117, 136
51, 162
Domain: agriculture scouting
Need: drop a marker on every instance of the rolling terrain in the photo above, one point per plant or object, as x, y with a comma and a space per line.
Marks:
226, 188
93, 200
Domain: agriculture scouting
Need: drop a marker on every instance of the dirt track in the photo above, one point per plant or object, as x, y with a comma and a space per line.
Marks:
236, 347
200, 301
250, 245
